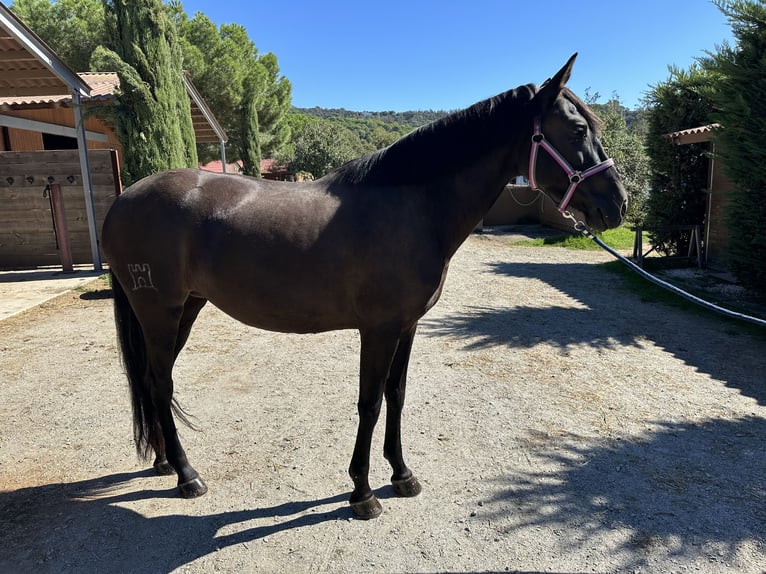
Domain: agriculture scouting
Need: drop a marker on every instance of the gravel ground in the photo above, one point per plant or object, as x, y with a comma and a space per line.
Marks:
557, 422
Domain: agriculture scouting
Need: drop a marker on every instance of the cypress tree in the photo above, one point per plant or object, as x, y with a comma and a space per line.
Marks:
249, 146
741, 144
152, 114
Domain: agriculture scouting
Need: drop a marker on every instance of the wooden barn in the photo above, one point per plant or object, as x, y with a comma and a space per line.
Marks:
519, 204
715, 233
57, 144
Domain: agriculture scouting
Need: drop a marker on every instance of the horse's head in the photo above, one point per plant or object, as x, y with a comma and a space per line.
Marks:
566, 160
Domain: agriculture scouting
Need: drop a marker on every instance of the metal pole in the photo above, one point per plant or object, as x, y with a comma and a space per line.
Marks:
223, 156
87, 185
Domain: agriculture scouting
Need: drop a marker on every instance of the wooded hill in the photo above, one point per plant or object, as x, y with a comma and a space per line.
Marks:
411, 119
374, 129
377, 129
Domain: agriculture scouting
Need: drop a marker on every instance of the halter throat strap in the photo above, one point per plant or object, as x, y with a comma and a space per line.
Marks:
575, 177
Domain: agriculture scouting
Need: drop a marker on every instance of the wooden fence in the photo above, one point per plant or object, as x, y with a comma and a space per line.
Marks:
27, 236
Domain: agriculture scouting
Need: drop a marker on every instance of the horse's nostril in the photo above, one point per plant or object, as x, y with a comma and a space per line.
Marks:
624, 209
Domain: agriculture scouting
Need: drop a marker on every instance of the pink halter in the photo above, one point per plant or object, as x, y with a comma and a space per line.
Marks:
575, 177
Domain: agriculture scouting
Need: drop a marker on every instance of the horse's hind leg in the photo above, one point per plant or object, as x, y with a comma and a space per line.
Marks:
405, 484
192, 307
162, 334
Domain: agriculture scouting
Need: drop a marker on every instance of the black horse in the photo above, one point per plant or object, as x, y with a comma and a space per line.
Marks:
366, 247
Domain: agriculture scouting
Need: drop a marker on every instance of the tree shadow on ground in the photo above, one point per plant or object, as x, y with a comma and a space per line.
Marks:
685, 492
729, 353
85, 527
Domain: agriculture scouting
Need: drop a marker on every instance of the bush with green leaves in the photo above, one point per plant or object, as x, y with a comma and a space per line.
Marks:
625, 144
318, 146
740, 98
678, 173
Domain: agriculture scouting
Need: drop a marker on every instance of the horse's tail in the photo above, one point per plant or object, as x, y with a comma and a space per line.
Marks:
147, 432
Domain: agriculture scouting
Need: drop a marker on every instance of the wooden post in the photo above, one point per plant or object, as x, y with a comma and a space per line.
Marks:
694, 244
638, 245
62, 233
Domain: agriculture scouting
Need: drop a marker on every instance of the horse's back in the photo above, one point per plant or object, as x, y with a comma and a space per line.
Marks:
268, 253
156, 197
187, 200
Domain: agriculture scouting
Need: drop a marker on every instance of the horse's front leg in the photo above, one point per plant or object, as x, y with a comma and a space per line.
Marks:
405, 484
378, 349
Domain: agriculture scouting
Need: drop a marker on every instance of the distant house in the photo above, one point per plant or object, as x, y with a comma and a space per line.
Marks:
270, 169
217, 166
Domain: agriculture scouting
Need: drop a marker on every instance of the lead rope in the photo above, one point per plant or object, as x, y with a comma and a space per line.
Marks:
582, 228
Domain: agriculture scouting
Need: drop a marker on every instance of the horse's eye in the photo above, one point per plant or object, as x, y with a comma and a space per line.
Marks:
580, 133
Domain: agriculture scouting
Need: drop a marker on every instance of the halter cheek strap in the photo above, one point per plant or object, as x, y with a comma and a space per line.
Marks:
575, 177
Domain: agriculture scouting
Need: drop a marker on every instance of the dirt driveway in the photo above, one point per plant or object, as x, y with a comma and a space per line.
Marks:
557, 422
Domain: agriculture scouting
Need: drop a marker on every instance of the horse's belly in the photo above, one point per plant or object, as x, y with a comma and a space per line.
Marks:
330, 283
285, 318
289, 303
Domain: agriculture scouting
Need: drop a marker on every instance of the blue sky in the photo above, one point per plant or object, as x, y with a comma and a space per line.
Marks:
445, 55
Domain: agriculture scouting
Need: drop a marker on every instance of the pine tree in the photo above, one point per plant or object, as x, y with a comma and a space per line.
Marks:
72, 28
232, 76
152, 115
274, 101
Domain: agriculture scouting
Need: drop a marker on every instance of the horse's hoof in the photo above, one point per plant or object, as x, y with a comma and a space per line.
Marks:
163, 468
408, 487
192, 488
367, 509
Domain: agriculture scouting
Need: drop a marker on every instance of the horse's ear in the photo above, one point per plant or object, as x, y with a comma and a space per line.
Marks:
550, 90
562, 76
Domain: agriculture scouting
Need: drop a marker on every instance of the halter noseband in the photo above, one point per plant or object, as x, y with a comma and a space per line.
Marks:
575, 177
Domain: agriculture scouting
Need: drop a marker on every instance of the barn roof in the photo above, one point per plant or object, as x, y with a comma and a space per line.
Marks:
28, 67
103, 87
32, 75
206, 126
693, 135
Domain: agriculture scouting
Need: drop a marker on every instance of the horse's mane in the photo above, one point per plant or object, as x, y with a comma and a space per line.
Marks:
416, 157
594, 122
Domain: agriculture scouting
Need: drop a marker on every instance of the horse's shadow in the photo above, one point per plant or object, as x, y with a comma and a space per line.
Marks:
686, 491
87, 527
719, 347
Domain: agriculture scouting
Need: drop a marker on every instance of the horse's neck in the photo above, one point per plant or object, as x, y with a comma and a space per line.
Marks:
461, 162
476, 162
472, 192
